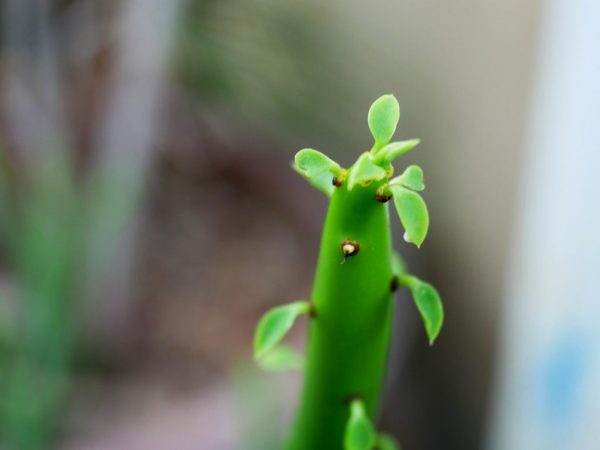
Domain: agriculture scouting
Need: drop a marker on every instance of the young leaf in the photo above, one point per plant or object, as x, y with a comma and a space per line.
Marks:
413, 213
282, 358
395, 149
359, 434
313, 162
275, 324
383, 119
317, 168
429, 305
364, 170
386, 442
411, 178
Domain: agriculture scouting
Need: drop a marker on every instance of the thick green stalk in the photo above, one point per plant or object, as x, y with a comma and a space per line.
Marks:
350, 328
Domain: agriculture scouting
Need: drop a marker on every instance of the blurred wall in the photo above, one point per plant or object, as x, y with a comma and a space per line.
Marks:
461, 71
548, 390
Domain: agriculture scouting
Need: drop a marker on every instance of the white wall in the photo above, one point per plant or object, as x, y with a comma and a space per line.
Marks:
548, 394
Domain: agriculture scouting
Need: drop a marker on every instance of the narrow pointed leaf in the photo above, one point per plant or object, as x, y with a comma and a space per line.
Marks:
411, 178
275, 324
395, 149
317, 168
359, 434
281, 359
386, 442
429, 305
413, 214
364, 170
383, 119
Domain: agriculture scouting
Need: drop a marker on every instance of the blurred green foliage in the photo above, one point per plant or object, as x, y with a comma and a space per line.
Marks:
276, 63
42, 235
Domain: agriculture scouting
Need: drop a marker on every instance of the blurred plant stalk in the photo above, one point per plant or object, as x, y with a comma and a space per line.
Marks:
61, 229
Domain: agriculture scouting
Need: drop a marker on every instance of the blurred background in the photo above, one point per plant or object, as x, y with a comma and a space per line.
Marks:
149, 214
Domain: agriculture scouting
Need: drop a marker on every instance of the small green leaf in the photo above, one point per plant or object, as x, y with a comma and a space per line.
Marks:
275, 324
386, 442
365, 170
413, 213
429, 305
383, 119
411, 178
359, 434
317, 168
281, 359
313, 162
395, 149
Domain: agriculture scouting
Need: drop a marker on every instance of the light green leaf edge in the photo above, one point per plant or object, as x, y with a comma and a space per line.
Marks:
411, 178
359, 433
383, 118
395, 149
412, 210
275, 324
282, 358
429, 304
364, 171
317, 168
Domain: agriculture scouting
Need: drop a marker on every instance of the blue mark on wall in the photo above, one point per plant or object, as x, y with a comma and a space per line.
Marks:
562, 375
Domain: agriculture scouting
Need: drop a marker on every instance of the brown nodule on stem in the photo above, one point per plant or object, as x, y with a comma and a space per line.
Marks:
394, 284
336, 182
349, 248
350, 398
381, 198
312, 312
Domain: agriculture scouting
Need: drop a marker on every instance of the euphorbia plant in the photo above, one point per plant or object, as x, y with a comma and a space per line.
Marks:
350, 309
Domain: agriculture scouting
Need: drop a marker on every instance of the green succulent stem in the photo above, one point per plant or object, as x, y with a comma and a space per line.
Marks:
350, 335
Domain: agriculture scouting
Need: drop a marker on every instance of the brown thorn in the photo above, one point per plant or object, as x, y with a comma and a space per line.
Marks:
394, 284
349, 248
336, 182
381, 198
312, 312
351, 397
